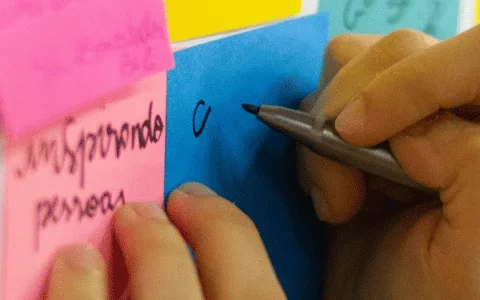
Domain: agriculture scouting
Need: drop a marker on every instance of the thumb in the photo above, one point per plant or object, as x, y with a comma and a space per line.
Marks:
444, 76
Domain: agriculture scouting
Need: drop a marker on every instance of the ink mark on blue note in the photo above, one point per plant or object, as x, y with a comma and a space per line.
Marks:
212, 141
198, 132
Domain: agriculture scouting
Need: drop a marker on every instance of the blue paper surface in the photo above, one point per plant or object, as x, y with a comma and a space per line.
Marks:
435, 17
239, 157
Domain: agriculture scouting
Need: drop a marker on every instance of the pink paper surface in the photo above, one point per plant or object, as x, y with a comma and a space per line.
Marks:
57, 56
77, 166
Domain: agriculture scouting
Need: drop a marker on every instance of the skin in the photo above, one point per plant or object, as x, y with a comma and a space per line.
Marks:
419, 94
231, 259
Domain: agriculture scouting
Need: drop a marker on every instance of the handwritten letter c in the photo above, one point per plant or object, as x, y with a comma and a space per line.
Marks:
198, 132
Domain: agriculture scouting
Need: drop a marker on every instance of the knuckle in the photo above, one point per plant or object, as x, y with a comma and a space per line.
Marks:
336, 48
406, 34
402, 43
161, 236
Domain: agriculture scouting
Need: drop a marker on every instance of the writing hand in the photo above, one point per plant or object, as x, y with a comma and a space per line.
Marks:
231, 260
421, 95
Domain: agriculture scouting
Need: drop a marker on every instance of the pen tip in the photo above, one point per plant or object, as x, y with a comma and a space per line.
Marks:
251, 108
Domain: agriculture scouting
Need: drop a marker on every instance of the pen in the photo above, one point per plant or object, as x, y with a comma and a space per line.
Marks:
318, 134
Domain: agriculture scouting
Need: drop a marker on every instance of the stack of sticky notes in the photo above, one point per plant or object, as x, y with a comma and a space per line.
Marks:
82, 98
59, 58
96, 111
84, 88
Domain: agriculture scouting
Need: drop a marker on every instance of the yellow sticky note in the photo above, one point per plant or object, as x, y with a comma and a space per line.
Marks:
190, 19
478, 12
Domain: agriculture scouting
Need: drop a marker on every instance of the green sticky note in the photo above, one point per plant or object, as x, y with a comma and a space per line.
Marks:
435, 17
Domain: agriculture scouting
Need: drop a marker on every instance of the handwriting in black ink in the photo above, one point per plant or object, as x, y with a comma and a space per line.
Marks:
198, 132
62, 157
352, 15
438, 11
49, 212
400, 8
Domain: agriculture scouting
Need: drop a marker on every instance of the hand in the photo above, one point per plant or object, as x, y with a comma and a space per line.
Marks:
231, 259
421, 95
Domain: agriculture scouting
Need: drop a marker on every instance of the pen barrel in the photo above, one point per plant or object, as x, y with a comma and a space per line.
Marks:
319, 134
374, 160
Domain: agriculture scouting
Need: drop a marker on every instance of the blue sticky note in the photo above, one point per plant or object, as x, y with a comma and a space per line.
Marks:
435, 17
210, 139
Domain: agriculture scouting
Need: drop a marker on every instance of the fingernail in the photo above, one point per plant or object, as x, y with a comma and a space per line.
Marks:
322, 207
195, 189
309, 102
82, 257
149, 210
352, 119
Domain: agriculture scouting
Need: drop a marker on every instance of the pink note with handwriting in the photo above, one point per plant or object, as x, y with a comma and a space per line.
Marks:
58, 56
64, 183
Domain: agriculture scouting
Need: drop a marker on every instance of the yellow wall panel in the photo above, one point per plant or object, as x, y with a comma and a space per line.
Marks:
188, 19
478, 11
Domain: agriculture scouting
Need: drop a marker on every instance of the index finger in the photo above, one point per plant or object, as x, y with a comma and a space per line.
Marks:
157, 258
231, 258
339, 52
444, 76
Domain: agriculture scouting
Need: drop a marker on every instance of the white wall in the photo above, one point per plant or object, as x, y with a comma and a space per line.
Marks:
466, 15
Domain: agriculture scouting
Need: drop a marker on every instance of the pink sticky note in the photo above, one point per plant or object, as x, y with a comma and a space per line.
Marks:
58, 56
64, 184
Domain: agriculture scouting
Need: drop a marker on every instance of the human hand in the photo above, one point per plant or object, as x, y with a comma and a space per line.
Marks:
421, 95
230, 257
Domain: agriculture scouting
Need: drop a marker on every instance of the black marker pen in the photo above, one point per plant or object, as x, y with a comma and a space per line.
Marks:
319, 135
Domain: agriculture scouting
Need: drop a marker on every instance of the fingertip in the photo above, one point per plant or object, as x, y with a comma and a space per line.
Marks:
309, 102
338, 206
351, 122
128, 214
155, 253
195, 189
180, 198
83, 258
337, 191
188, 202
124, 216
321, 204
78, 272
